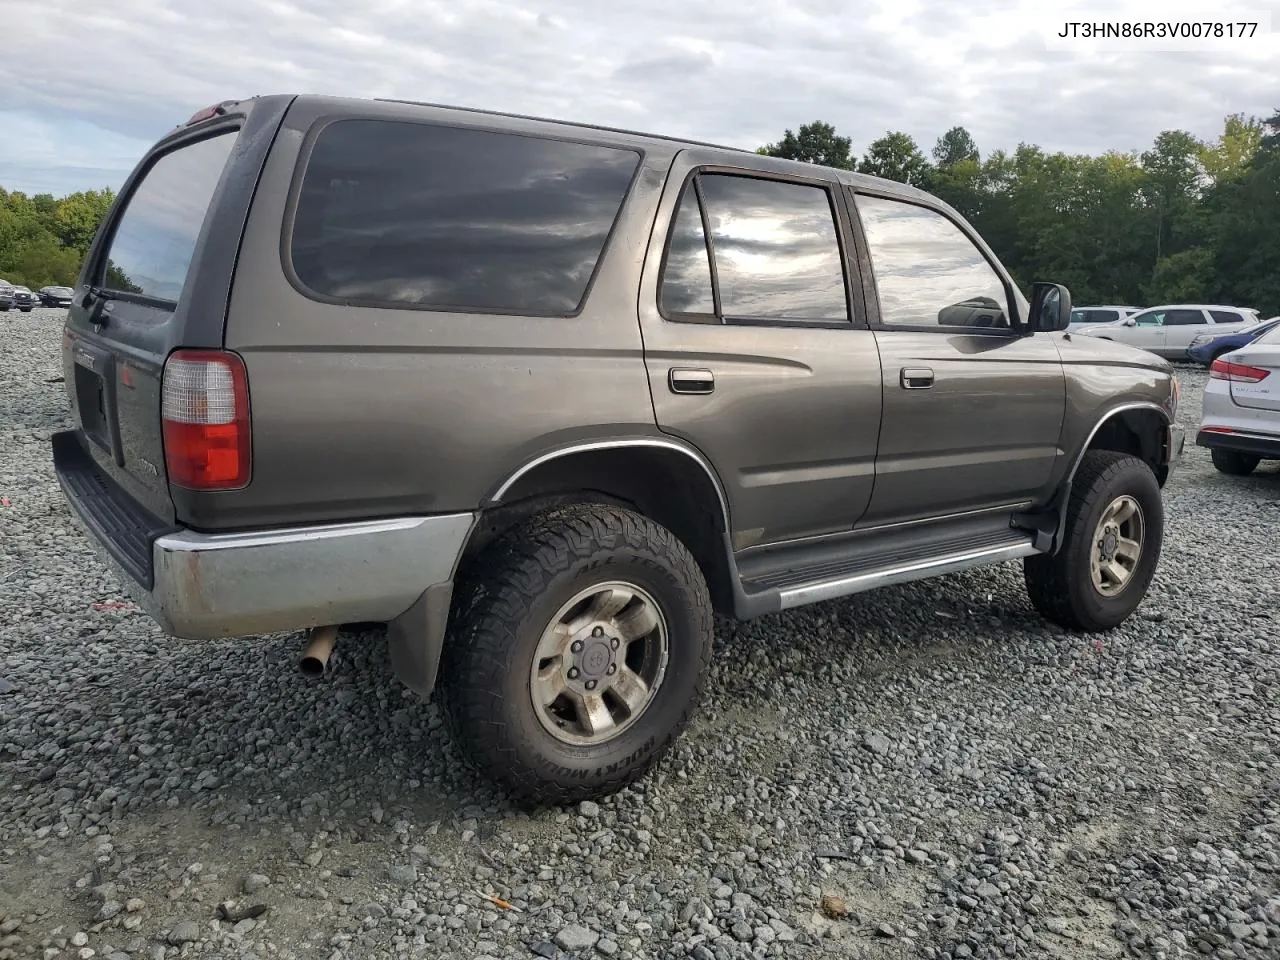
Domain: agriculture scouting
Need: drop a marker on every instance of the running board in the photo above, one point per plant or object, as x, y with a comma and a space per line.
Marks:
792, 574
843, 586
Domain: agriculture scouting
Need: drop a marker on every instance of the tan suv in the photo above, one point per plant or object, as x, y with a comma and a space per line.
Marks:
542, 397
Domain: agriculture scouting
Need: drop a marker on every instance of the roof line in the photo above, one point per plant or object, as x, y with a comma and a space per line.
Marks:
566, 123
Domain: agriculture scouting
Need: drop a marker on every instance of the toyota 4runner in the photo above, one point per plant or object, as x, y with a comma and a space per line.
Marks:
542, 397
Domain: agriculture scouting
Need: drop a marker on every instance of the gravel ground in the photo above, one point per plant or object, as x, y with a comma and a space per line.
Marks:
927, 771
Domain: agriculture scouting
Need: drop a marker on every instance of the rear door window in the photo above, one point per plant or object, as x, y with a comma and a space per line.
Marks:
155, 237
1184, 318
773, 254
418, 215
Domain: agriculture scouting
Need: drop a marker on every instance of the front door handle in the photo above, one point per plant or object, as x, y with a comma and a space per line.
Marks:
916, 378
690, 380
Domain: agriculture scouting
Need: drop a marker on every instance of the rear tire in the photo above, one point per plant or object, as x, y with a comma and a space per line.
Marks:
550, 691
1099, 577
1234, 464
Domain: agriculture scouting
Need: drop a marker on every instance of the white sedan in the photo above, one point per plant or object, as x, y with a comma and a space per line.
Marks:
1168, 331
1240, 423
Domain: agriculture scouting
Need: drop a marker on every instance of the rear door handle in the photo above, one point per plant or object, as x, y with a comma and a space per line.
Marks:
690, 380
916, 378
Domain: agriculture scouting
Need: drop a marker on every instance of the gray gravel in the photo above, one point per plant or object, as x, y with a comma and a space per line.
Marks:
926, 771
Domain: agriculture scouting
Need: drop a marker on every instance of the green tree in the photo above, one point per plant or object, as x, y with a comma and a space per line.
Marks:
895, 156
43, 239
1184, 277
1183, 220
816, 142
954, 147
76, 217
1234, 152
1172, 191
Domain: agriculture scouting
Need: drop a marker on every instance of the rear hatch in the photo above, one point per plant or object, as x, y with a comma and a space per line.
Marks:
1255, 380
157, 278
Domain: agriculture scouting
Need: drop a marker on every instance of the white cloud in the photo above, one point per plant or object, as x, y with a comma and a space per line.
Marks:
737, 72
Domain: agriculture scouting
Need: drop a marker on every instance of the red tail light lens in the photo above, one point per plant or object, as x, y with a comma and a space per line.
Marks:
1241, 373
204, 410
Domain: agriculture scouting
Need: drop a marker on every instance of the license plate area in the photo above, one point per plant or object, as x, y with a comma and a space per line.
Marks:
93, 373
91, 400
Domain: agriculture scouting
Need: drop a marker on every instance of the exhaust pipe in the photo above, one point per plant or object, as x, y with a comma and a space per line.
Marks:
316, 655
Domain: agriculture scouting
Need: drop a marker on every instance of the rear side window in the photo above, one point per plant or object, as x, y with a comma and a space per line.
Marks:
155, 236
1184, 318
1223, 316
773, 253
411, 214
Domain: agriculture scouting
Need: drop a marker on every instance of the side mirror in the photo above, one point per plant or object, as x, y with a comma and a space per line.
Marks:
1050, 308
1129, 322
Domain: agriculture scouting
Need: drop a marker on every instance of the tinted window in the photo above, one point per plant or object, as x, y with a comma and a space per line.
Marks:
409, 213
1094, 316
156, 235
928, 273
1184, 318
686, 277
1222, 316
776, 249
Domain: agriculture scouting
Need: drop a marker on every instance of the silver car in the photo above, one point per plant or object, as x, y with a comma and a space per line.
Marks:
1241, 415
1083, 316
1167, 331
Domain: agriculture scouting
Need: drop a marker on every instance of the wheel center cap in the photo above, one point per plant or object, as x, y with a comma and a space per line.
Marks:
595, 658
1110, 540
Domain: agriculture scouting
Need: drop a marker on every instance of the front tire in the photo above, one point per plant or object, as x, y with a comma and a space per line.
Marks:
1234, 464
1111, 546
578, 654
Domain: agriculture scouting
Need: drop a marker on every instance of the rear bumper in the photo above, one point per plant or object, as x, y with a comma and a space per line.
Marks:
204, 586
1258, 444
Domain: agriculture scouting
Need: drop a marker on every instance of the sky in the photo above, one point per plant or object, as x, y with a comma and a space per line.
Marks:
99, 82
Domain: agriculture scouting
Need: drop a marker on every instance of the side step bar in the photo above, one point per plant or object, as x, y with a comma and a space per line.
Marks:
788, 575
803, 594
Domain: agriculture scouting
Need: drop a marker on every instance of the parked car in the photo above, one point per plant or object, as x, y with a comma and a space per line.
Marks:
544, 397
56, 296
1240, 424
1083, 316
24, 299
6, 296
1169, 330
1207, 347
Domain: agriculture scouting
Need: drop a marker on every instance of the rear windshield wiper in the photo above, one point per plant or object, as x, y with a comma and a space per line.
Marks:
94, 299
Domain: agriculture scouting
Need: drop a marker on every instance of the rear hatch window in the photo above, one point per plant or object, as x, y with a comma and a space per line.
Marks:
122, 335
154, 239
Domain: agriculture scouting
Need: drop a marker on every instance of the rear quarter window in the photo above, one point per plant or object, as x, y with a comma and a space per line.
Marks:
1225, 316
436, 217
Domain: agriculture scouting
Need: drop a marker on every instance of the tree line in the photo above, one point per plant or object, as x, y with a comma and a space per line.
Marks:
1186, 221
43, 239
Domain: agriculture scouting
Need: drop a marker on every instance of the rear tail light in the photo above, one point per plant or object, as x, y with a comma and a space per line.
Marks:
204, 410
1238, 372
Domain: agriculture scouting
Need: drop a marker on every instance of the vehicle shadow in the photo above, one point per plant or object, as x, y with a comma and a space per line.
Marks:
356, 741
